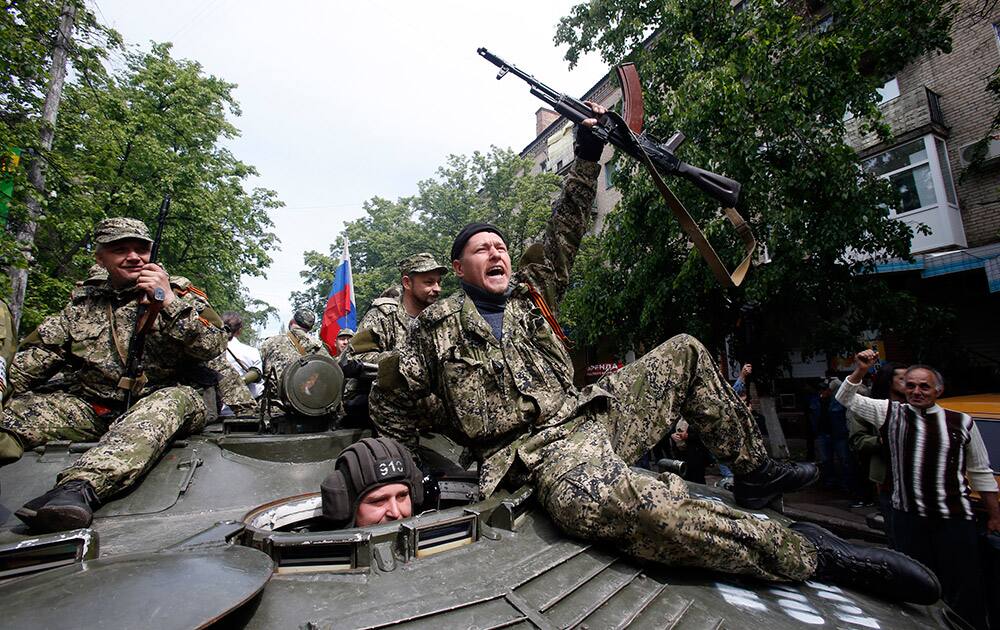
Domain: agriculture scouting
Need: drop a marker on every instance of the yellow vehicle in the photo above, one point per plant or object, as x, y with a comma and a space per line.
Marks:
985, 412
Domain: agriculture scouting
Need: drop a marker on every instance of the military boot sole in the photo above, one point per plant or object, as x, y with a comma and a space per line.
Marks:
55, 518
772, 500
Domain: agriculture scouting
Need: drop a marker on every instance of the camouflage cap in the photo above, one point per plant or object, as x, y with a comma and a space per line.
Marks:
420, 263
305, 319
345, 332
118, 228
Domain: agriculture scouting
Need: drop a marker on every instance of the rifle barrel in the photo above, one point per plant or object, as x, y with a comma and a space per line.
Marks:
161, 219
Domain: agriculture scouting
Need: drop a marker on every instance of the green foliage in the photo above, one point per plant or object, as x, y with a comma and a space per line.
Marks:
762, 95
489, 187
28, 31
122, 141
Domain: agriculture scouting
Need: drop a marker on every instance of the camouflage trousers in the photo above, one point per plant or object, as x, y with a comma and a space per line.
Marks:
231, 388
586, 484
126, 448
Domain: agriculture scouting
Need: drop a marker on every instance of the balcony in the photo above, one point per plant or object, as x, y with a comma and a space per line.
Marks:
909, 115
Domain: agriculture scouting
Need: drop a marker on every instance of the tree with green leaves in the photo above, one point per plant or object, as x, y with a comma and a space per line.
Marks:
493, 187
127, 138
762, 91
42, 40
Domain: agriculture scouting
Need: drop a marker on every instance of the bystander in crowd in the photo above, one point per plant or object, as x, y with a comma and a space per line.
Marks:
937, 458
867, 444
828, 420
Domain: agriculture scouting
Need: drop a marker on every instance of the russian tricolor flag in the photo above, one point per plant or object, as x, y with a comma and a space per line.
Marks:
340, 311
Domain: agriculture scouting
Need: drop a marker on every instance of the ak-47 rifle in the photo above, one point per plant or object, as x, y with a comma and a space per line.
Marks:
134, 380
625, 132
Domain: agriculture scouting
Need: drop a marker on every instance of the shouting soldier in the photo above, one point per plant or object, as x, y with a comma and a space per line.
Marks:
495, 355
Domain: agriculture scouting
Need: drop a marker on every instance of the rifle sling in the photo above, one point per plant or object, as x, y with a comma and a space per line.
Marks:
296, 343
133, 384
242, 365
689, 225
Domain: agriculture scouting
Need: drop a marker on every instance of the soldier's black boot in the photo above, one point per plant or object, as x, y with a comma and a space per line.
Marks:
67, 506
883, 572
756, 489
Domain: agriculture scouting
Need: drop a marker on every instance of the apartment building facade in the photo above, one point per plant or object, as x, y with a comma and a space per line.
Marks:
937, 108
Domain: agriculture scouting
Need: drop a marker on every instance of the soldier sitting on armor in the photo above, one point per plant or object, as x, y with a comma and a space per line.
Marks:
280, 351
344, 336
495, 355
383, 329
89, 339
384, 326
374, 481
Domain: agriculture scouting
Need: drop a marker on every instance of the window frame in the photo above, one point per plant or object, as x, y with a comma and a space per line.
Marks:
943, 193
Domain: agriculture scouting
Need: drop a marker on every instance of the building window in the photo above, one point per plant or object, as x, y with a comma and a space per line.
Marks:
609, 174
919, 171
888, 91
996, 31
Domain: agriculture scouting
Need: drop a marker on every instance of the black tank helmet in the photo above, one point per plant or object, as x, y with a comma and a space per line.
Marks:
363, 466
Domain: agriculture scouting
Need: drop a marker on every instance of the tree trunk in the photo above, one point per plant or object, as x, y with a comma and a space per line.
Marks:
36, 170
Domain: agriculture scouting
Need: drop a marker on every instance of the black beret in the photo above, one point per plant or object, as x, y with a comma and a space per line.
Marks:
468, 232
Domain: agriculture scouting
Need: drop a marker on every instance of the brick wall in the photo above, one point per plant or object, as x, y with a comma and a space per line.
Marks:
960, 79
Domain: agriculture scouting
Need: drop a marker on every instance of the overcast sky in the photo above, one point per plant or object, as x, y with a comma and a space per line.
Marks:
345, 101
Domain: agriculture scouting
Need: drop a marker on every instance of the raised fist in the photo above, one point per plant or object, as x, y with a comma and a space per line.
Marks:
866, 359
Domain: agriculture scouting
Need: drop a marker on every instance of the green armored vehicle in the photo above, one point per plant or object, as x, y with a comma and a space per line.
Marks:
227, 530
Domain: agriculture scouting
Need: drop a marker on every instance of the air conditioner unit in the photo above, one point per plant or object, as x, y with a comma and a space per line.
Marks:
967, 152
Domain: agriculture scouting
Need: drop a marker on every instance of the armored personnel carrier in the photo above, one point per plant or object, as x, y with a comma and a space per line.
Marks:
226, 531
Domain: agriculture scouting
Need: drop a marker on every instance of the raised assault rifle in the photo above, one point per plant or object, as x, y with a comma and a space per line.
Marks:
625, 132
134, 380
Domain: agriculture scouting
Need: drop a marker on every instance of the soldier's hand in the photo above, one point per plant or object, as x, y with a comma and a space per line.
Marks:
155, 282
866, 359
588, 146
598, 109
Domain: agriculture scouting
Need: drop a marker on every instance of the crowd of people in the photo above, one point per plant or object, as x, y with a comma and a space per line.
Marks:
490, 367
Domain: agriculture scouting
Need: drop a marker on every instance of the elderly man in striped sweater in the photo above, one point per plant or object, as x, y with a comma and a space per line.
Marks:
937, 458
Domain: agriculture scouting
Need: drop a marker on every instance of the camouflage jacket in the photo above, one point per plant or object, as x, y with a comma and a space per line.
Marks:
381, 330
497, 394
88, 341
282, 350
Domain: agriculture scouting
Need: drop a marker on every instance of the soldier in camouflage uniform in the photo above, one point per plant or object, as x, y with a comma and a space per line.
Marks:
280, 351
232, 391
88, 341
384, 326
344, 336
352, 385
495, 355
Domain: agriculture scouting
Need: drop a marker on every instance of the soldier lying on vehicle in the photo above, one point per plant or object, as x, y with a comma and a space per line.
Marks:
495, 356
